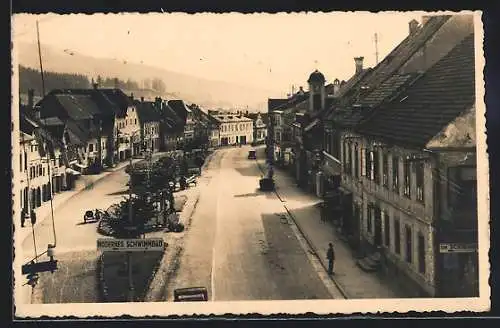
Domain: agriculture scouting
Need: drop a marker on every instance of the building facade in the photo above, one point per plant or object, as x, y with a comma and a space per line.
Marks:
234, 129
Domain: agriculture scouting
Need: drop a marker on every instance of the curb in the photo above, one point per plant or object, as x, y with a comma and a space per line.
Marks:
316, 252
311, 245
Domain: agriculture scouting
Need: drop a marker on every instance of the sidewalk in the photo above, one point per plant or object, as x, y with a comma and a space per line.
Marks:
82, 183
302, 207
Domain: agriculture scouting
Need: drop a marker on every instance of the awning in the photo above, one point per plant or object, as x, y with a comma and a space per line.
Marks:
71, 171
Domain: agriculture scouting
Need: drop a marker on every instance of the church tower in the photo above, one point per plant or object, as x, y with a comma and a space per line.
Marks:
317, 92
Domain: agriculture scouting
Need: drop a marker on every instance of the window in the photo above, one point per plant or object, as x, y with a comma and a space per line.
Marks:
419, 172
395, 174
370, 169
376, 166
363, 162
407, 178
21, 162
397, 239
348, 164
91, 147
344, 156
25, 161
421, 253
385, 170
369, 218
387, 229
40, 170
356, 161
135, 121
409, 245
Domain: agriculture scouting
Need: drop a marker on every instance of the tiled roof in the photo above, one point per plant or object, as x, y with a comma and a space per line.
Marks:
225, 118
78, 107
118, 97
443, 93
263, 116
407, 48
273, 103
388, 88
92, 100
293, 101
383, 79
347, 86
170, 118
147, 111
180, 108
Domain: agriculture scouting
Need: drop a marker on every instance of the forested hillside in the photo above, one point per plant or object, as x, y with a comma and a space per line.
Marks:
31, 79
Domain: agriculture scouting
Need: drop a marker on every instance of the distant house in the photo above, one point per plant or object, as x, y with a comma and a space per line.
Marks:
185, 114
42, 171
149, 118
234, 129
260, 126
127, 126
171, 126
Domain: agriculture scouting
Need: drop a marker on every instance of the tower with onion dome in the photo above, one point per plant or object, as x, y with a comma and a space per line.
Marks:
317, 92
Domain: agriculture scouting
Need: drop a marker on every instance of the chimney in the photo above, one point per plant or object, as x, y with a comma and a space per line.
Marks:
425, 19
359, 64
301, 90
413, 26
142, 99
31, 98
131, 96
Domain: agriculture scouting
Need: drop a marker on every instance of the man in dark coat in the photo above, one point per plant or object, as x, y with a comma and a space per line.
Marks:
330, 255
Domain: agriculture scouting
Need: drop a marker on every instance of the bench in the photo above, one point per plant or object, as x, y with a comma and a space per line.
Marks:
191, 180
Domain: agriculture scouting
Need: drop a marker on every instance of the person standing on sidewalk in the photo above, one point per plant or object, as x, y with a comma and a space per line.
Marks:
330, 255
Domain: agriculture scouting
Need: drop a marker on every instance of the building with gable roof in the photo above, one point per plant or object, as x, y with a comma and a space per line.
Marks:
399, 139
149, 119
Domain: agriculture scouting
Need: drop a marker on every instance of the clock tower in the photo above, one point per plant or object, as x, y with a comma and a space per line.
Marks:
317, 92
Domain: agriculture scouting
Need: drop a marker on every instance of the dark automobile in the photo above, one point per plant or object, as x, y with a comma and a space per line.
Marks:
251, 154
88, 216
191, 294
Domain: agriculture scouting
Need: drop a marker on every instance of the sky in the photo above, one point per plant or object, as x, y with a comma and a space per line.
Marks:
270, 51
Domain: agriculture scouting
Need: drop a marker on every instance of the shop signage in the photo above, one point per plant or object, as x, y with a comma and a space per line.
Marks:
457, 248
130, 245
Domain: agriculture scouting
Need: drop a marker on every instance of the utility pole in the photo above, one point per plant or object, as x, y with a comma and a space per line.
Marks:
40, 58
376, 48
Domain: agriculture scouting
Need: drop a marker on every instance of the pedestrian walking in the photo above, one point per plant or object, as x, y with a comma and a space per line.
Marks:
330, 255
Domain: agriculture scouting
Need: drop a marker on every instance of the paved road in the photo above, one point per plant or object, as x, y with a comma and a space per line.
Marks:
238, 246
75, 280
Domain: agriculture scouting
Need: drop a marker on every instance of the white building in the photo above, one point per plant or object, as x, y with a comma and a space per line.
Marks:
234, 129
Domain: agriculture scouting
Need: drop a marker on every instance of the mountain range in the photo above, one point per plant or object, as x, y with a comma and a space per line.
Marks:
204, 92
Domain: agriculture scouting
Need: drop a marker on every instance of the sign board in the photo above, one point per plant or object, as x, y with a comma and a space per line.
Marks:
130, 245
457, 248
